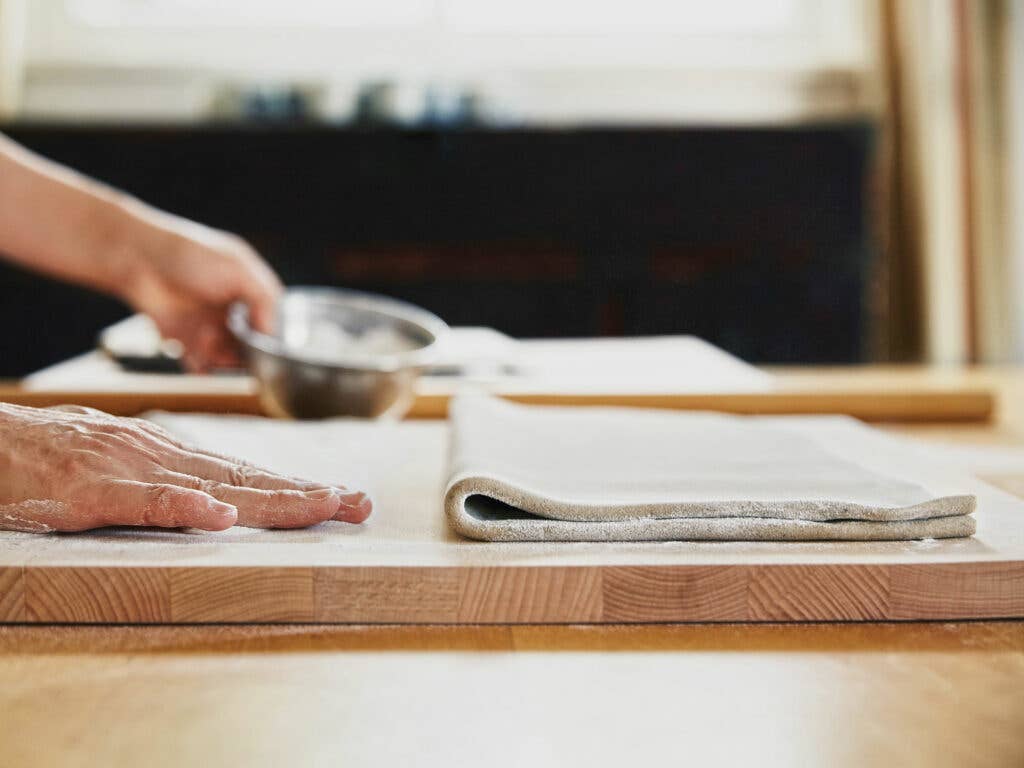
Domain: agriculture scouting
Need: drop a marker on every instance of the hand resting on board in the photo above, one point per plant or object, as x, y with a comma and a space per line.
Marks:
71, 468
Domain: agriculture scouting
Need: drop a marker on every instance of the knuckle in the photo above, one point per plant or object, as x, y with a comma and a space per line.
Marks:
81, 410
153, 429
70, 432
68, 408
209, 487
159, 506
137, 424
240, 475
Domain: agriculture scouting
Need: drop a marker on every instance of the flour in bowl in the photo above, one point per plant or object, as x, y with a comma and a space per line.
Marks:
326, 340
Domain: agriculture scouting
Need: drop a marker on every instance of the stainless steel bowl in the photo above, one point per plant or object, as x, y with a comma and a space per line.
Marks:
339, 353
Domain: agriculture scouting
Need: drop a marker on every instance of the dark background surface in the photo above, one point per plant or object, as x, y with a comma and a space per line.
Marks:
755, 239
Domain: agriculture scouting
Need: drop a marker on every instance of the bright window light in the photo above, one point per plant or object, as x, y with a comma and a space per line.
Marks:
676, 16
685, 17
241, 13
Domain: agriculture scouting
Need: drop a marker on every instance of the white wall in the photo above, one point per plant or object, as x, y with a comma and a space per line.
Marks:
12, 53
1015, 163
809, 67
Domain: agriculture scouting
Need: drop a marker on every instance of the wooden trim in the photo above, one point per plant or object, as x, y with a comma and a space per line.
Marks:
515, 595
898, 209
926, 404
974, 405
965, 126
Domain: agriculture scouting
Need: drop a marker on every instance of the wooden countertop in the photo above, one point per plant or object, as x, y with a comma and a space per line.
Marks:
840, 695
931, 694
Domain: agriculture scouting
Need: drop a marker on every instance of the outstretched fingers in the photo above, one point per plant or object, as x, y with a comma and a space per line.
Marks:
263, 498
120, 502
218, 466
164, 505
353, 506
281, 508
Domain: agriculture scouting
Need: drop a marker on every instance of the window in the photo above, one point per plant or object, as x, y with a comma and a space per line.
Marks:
524, 60
194, 13
758, 16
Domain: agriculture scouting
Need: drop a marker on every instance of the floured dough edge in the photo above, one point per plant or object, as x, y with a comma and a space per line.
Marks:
523, 516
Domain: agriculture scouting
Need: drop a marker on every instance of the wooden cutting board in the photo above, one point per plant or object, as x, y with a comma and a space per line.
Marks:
913, 404
405, 566
653, 373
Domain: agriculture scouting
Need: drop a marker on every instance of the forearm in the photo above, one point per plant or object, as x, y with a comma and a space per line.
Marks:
182, 274
56, 221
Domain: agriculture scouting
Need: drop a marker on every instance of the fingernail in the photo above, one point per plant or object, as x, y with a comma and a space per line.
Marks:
321, 495
357, 512
226, 514
351, 498
222, 509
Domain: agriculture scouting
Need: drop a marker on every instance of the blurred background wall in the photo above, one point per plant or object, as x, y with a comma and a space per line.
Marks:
1013, 158
797, 181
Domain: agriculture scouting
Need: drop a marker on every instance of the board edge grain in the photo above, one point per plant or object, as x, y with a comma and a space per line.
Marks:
614, 594
12, 594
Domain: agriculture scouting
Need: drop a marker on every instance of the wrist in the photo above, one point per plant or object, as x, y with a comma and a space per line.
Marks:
126, 255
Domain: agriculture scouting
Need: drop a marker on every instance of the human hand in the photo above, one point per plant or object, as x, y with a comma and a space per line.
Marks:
183, 274
186, 275
71, 469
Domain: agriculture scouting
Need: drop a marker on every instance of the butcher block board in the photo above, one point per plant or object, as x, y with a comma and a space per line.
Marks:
405, 566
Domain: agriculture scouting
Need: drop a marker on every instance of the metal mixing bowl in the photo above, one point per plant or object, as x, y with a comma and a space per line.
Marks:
336, 352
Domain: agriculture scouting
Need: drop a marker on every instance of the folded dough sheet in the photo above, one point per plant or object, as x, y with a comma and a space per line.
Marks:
542, 473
